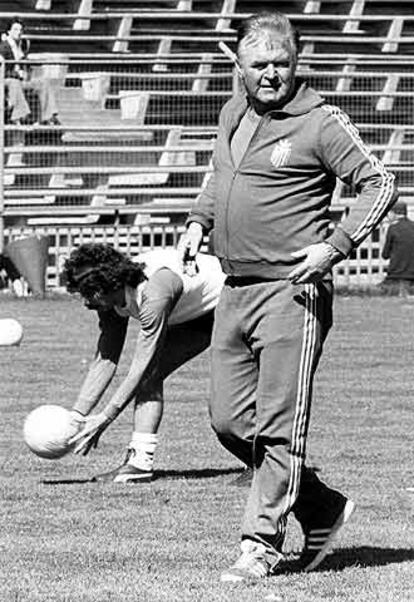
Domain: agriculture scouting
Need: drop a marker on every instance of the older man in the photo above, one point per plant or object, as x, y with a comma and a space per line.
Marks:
279, 150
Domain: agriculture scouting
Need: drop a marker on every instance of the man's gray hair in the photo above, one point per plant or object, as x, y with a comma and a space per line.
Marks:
272, 21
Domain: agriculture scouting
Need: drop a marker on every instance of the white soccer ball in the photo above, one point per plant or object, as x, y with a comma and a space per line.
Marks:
11, 332
48, 429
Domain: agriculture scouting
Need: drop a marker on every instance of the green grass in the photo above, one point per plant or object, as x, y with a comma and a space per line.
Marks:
65, 539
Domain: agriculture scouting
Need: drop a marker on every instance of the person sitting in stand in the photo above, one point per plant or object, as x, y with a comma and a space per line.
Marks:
14, 47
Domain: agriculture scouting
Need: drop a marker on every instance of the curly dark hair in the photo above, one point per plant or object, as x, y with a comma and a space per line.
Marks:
98, 268
11, 22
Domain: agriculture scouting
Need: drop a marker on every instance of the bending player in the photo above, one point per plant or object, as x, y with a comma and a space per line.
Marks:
175, 312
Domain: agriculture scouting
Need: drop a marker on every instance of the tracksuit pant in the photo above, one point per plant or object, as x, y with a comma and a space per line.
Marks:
267, 341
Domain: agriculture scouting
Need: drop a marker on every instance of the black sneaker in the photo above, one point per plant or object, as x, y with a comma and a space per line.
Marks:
126, 473
54, 120
320, 535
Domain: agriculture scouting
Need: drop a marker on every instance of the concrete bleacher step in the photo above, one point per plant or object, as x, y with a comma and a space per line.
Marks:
17, 5
381, 7
75, 111
125, 5
64, 6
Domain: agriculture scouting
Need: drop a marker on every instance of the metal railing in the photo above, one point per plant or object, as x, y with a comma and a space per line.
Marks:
365, 268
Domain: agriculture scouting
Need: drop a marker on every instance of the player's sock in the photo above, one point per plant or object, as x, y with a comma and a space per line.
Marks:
144, 445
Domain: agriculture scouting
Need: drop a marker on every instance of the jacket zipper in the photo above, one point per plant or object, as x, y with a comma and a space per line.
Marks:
235, 173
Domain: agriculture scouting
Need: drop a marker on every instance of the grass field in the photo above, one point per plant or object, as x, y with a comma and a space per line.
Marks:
66, 539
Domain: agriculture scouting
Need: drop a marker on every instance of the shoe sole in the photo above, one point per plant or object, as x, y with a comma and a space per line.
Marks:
342, 519
103, 478
227, 578
231, 579
128, 478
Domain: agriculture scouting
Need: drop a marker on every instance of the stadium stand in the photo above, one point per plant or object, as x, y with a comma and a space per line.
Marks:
140, 88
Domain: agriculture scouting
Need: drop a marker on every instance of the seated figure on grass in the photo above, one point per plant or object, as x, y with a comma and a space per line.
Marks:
19, 80
12, 276
175, 312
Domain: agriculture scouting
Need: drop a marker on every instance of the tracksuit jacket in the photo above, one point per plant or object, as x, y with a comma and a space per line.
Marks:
277, 199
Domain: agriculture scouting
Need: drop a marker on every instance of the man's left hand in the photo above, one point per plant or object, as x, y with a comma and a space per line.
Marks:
318, 259
89, 436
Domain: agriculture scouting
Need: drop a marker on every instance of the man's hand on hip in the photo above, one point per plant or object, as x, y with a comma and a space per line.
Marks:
318, 260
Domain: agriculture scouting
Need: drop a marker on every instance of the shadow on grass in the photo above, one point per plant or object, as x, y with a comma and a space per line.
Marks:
66, 481
203, 473
362, 556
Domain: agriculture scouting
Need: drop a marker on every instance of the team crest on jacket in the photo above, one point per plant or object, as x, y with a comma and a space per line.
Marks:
281, 153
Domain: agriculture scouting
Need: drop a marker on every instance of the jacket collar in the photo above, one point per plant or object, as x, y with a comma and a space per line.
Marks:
304, 99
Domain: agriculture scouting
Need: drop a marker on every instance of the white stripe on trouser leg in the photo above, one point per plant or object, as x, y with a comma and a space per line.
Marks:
302, 397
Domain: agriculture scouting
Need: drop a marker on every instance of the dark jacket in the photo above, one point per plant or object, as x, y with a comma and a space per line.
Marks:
277, 200
399, 249
7, 53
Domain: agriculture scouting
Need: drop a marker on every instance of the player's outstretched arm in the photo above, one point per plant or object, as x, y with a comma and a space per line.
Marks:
161, 294
88, 437
99, 376
103, 367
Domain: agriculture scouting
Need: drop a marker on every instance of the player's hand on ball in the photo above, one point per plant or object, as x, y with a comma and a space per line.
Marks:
77, 419
88, 437
318, 259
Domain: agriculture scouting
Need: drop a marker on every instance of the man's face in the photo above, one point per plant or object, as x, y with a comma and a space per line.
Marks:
268, 63
98, 299
103, 301
15, 32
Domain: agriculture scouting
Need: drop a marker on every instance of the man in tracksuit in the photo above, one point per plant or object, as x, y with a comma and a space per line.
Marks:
279, 150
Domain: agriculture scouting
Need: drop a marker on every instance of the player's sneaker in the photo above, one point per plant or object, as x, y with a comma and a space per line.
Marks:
126, 473
251, 565
321, 533
131, 474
